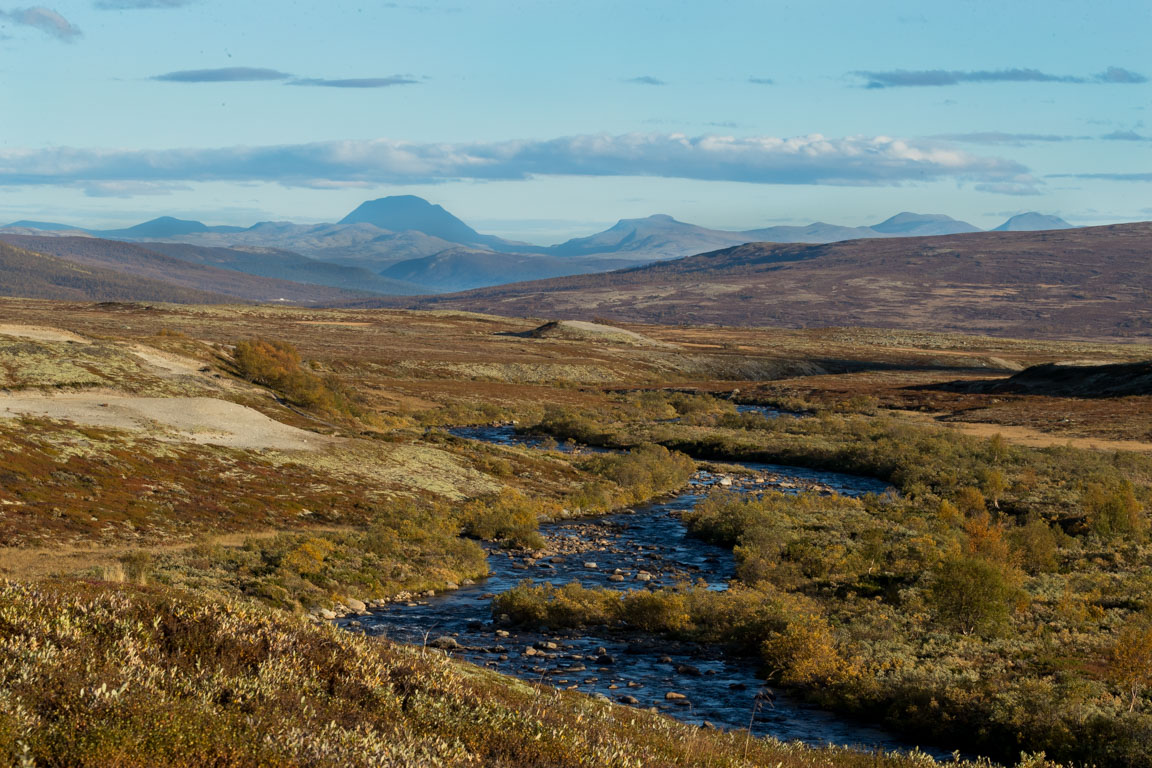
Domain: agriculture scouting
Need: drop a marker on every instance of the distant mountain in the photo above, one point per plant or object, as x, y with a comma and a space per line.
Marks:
460, 269
404, 244
1088, 282
134, 260
923, 224
165, 226
362, 245
1032, 222
401, 213
45, 226
654, 237
818, 232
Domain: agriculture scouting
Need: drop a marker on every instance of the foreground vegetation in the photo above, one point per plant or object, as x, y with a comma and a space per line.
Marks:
97, 675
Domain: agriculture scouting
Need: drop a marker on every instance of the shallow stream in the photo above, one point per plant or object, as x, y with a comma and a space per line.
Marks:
646, 548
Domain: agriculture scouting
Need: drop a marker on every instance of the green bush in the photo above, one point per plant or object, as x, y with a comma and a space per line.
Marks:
508, 516
1114, 512
972, 595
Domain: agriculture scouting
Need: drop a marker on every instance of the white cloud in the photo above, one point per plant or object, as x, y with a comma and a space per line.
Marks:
814, 159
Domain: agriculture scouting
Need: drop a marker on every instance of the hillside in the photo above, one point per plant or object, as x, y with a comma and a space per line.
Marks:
458, 269
286, 265
132, 260
1070, 380
1091, 282
32, 275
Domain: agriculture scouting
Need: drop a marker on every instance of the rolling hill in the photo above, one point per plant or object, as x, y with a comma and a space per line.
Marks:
459, 269
110, 257
286, 265
26, 274
1078, 283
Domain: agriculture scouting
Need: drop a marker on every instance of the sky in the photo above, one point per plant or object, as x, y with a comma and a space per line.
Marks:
542, 120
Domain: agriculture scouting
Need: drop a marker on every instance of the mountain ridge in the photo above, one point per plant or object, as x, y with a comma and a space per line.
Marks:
401, 235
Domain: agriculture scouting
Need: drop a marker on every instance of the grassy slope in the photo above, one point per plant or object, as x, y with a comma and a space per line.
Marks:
130, 260
1079, 283
34, 275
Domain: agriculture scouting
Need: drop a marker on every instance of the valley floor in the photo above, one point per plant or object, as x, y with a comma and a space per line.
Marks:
209, 480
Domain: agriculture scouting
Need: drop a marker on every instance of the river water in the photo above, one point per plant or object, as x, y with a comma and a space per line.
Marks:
645, 548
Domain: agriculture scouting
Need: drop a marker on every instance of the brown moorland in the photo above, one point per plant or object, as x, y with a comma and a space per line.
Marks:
1078, 283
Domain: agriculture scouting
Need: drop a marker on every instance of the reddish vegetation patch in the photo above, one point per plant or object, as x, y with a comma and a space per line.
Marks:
67, 485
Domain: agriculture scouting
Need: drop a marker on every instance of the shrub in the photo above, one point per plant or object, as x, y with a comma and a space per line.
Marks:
508, 516
643, 472
571, 605
1130, 661
277, 365
806, 653
1035, 545
972, 595
1114, 512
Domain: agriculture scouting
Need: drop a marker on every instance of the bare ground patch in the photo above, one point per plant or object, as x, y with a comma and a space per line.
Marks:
41, 333
202, 420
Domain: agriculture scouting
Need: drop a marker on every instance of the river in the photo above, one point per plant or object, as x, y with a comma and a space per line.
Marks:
648, 547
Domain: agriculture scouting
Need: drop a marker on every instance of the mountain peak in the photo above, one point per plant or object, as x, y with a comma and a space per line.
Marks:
44, 226
916, 224
163, 226
404, 212
1031, 221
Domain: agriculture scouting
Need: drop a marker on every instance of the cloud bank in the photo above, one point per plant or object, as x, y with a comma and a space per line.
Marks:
44, 19
222, 75
903, 78
1119, 135
260, 74
814, 159
646, 80
355, 82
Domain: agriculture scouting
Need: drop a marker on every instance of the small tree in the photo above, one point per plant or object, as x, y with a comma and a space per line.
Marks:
970, 501
993, 484
1114, 512
1130, 661
972, 595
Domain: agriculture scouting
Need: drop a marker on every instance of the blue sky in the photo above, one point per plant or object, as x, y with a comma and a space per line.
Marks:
542, 120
